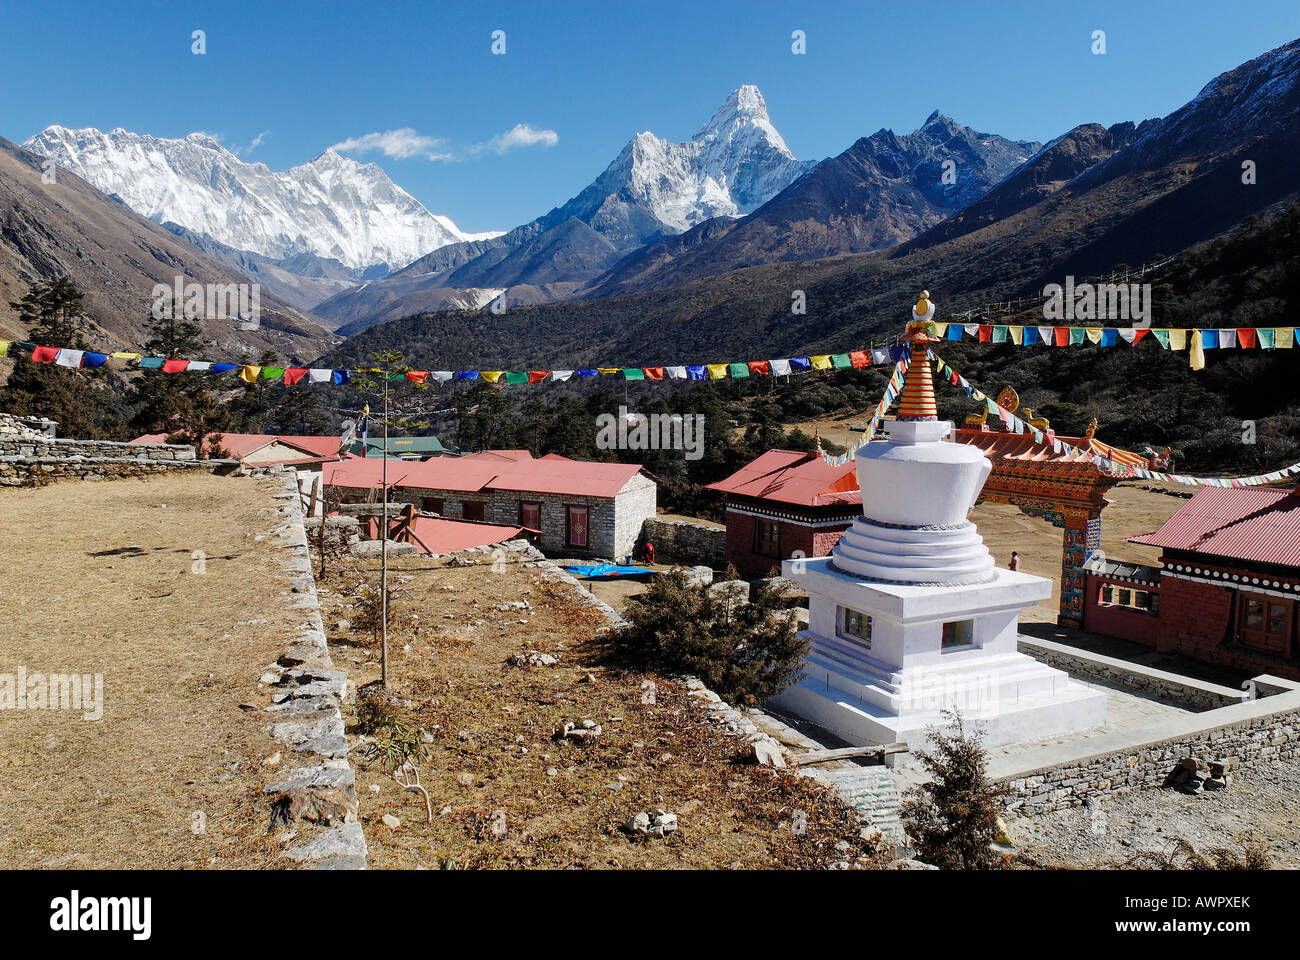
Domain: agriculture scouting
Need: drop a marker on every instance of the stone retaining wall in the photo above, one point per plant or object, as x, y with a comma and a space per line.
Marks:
1156, 684
29, 471
684, 541
1257, 730
11, 446
317, 786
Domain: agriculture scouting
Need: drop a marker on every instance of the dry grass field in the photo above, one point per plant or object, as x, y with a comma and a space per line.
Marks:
504, 793
98, 580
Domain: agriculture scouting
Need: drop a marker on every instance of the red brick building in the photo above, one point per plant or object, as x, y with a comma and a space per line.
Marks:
786, 504
1123, 599
1228, 586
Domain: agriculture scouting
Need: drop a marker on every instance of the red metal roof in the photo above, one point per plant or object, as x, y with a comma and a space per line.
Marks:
788, 476
473, 474
242, 445
1261, 524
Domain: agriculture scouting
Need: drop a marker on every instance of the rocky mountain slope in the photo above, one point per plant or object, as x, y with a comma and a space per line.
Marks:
115, 257
333, 207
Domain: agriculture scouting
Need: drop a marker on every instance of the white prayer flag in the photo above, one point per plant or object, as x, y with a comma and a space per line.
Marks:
69, 358
319, 375
780, 368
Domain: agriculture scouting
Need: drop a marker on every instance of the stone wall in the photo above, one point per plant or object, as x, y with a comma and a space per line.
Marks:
30, 471
1267, 729
11, 446
1160, 685
318, 786
685, 541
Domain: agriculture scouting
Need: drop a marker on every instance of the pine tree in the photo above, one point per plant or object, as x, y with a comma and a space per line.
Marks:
49, 309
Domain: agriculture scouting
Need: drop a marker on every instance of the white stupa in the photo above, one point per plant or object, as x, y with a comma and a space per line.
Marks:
909, 614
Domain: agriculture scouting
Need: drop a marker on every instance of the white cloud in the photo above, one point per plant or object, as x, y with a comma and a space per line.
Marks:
398, 144
405, 143
520, 135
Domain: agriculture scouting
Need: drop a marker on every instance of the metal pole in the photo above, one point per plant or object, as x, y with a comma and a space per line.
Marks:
383, 549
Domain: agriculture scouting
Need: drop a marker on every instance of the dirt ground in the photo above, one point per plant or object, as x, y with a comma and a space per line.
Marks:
504, 793
99, 578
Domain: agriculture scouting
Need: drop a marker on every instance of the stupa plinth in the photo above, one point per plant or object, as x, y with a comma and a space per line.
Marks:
910, 615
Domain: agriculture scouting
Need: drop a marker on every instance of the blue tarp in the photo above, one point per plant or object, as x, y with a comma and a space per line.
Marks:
605, 570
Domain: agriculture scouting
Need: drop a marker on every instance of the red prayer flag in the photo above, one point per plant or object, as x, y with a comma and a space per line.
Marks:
860, 358
986, 332
760, 368
417, 376
44, 354
1139, 333
293, 374
537, 376
174, 366
1062, 336
1246, 337
653, 373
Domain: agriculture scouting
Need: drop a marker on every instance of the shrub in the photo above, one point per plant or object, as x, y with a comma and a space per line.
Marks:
745, 651
953, 818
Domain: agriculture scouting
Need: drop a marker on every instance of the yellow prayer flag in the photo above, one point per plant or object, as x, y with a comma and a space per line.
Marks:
491, 376
1197, 355
1094, 333
822, 362
1017, 335
609, 371
716, 370
123, 355
249, 374
941, 330
4, 347
1178, 339
1284, 338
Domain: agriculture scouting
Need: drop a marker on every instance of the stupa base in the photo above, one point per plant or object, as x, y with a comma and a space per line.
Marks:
1014, 700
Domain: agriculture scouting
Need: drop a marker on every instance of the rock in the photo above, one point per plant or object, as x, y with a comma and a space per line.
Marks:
909, 864
497, 825
660, 825
272, 760
328, 806
768, 753
701, 575
532, 658
465, 779
735, 590
373, 548
391, 821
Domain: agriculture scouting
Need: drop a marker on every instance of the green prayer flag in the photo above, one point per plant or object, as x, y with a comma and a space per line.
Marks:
151, 363
633, 373
1077, 335
841, 361
1163, 337
738, 370
999, 333
516, 376
273, 373
1266, 337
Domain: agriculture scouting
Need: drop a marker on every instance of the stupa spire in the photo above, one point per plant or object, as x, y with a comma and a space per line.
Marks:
917, 401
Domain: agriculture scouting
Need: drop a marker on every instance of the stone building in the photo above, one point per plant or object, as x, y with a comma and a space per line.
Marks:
579, 508
786, 504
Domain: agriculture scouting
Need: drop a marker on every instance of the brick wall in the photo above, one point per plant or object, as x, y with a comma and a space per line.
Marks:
803, 538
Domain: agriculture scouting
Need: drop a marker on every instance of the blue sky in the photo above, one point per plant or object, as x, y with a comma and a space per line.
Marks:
307, 76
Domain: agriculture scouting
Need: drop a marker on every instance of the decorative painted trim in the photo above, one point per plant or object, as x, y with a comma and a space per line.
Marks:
792, 517
928, 527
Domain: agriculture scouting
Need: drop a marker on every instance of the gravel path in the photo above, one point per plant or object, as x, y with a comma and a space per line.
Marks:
1260, 802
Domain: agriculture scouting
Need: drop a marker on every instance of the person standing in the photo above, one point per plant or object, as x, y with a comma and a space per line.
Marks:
1015, 561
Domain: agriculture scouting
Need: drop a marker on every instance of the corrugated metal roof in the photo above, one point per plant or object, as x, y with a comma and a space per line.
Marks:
471, 474
1022, 446
243, 445
788, 476
1261, 524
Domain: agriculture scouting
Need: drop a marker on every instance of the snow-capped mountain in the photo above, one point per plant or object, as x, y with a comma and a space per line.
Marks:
334, 207
731, 166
